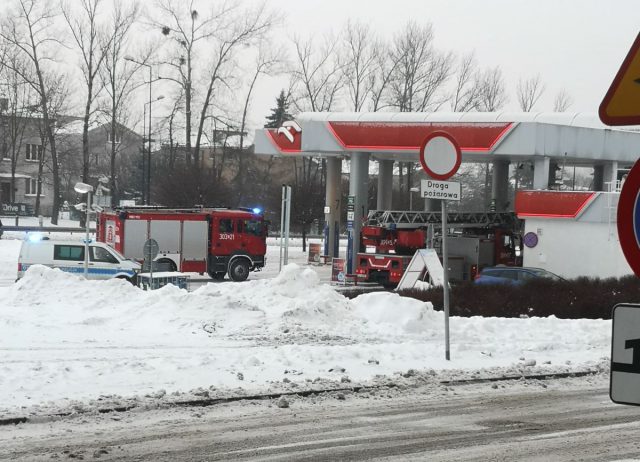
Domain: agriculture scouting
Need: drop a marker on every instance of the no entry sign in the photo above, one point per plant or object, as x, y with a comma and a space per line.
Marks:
629, 219
440, 155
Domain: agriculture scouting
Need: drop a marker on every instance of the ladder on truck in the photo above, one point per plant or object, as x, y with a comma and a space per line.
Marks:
416, 219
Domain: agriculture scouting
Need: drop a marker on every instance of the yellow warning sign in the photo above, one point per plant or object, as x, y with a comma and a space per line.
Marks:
621, 104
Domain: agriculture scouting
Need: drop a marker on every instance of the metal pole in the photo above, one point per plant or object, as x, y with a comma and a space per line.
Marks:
287, 225
282, 213
86, 237
445, 286
144, 167
149, 151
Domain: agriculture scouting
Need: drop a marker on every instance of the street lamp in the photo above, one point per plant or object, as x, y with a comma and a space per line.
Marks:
148, 192
148, 166
83, 188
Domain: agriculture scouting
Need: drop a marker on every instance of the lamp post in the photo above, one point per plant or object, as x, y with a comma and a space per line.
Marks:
83, 188
148, 185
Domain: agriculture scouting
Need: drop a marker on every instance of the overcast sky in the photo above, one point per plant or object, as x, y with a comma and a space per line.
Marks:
577, 45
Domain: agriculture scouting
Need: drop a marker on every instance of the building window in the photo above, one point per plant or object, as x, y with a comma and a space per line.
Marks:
117, 136
34, 152
32, 187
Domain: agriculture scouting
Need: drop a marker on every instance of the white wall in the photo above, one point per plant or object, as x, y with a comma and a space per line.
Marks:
571, 248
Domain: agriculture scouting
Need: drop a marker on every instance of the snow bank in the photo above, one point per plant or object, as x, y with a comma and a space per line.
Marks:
65, 338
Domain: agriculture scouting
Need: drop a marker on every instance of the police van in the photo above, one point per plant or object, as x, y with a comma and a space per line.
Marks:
104, 261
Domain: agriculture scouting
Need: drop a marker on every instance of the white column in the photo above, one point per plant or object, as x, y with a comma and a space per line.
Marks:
610, 175
385, 184
332, 201
358, 187
541, 173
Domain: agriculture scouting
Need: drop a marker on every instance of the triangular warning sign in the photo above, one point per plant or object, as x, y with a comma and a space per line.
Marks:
621, 104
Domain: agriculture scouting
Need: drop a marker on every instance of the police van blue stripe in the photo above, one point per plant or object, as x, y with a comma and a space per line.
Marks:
94, 271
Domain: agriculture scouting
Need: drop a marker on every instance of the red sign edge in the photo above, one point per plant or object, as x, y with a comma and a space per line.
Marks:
602, 113
626, 226
455, 168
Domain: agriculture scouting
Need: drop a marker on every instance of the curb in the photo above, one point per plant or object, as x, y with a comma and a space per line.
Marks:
206, 402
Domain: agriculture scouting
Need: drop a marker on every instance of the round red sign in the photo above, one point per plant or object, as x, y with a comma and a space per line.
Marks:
440, 155
629, 218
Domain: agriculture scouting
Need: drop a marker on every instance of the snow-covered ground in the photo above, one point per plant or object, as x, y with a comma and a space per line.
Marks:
65, 339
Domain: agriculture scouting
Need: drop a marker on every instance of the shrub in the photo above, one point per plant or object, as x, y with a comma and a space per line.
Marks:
589, 298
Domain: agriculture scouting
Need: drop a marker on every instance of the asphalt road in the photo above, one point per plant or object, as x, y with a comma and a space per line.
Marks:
484, 425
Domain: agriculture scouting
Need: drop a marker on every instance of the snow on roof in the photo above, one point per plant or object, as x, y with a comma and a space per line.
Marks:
75, 127
574, 119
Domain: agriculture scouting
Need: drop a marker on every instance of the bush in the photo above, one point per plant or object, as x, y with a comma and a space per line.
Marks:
573, 299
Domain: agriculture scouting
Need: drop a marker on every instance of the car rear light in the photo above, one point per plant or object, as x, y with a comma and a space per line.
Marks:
474, 272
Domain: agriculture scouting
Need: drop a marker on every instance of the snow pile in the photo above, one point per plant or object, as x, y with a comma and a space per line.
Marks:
64, 338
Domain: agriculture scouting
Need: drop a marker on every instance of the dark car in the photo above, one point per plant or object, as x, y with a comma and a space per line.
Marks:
512, 275
1, 229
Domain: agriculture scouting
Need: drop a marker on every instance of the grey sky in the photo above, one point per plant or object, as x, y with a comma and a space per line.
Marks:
577, 45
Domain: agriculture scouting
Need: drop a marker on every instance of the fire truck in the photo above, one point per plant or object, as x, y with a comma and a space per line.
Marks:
201, 240
475, 240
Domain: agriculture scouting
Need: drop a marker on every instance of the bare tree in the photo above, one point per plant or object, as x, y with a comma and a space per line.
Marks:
117, 77
316, 80
19, 106
493, 95
56, 84
422, 71
217, 35
317, 74
468, 85
562, 102
28, 30
529, 92
85, 30
360, 63
381, 76
267, 62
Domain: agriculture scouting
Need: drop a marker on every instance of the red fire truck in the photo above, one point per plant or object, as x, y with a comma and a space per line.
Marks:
389, 240
216, 241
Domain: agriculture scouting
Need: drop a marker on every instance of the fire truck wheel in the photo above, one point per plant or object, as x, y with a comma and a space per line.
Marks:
166, 264
239, 270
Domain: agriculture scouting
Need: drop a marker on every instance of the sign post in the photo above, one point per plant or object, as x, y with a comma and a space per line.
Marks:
440, 156
150, 251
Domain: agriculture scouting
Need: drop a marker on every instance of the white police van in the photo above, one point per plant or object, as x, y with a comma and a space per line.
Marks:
104, 261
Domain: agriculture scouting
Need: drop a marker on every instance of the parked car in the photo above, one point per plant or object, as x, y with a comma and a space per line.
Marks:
512, 275
104, 262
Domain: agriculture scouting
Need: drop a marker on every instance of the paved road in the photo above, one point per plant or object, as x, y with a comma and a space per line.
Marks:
488, 424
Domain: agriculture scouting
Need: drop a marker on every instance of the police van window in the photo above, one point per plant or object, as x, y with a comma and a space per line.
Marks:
68, 252
226, 226
253, 227
102, 255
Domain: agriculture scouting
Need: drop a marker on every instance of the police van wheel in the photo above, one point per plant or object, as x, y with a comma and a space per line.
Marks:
239, 270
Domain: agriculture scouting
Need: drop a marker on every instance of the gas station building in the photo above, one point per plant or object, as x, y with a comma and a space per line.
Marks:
544, 139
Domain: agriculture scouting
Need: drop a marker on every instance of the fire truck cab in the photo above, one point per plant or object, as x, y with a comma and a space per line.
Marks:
216, 241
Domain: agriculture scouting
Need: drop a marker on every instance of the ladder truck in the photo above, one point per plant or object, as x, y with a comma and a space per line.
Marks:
474, 239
